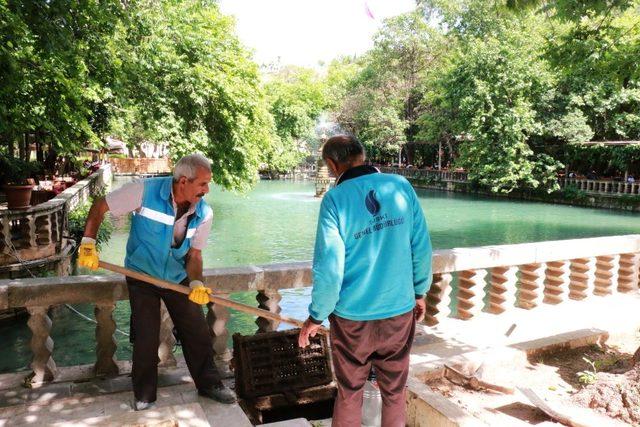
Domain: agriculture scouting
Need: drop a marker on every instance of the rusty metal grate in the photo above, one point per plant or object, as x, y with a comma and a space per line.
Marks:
271, 362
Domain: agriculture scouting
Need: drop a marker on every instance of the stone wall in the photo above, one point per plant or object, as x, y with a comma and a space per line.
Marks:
140, 166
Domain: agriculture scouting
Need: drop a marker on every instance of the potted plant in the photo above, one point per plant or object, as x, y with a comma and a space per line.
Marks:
16, 181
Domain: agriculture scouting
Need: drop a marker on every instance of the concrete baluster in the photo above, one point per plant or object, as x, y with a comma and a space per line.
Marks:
167, 339
217, 317
42, 365
556, 284
606, 274
31, 226
438, 299
629, 272
471, 285
581, 278
531, 291
6, 237
268, 300
502, 295
105, 341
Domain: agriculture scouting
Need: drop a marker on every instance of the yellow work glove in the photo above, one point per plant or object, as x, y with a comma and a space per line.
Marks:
199, 292
88, 254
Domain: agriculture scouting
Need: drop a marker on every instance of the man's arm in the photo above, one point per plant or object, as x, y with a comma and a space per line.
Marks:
96, 215
87, 252
123, 200
199, 292
328, 264
194, 265
421, 256
328, 271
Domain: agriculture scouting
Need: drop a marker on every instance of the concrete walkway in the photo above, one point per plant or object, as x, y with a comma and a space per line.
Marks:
109, 402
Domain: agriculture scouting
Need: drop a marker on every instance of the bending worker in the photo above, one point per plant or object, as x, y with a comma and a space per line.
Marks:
371, 270
169, 229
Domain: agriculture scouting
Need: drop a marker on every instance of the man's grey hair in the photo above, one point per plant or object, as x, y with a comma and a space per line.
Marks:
343, 149
188, 166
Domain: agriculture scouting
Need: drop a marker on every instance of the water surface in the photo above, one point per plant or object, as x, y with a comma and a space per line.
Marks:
276, 222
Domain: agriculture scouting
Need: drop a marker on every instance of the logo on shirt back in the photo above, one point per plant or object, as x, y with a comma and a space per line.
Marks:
372, 204
379, 221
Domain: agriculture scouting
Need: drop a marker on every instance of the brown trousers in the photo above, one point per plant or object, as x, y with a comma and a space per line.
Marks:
356, 346
145, 335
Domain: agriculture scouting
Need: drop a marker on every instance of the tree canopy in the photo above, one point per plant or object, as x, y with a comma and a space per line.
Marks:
507, 88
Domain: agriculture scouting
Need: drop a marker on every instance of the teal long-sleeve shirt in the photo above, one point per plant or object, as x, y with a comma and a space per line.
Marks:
372, 255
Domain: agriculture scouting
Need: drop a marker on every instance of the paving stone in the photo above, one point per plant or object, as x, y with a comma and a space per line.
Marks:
15, 396
297, 422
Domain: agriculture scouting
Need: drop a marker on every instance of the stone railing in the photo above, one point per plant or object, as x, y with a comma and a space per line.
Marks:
602, 187
39, 295
527, 275
427, 174
36, 236
140, 166
492, 279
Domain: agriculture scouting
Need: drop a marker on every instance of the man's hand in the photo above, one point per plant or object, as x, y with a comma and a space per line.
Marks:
88, 254
308, 329
420, 310
199, 292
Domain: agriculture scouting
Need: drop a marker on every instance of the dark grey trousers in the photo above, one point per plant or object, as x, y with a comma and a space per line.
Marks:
145, 335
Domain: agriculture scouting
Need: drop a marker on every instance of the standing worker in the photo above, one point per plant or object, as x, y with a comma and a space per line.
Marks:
371, 270
169, 229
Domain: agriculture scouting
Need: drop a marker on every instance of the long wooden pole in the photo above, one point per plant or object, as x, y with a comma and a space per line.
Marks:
216, 300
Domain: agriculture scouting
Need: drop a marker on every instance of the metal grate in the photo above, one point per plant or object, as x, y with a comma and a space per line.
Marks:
271, 362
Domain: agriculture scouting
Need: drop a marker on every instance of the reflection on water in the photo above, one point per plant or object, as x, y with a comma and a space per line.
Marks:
276, 222
299, 197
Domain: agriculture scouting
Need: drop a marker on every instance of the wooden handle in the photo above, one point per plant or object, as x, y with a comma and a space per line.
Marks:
217, 300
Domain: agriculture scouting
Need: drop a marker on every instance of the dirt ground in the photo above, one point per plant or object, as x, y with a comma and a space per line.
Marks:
600, 378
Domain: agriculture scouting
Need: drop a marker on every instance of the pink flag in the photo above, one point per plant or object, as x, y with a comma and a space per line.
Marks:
366, 8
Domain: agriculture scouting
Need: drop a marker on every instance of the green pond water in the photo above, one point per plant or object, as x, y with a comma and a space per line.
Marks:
276, 222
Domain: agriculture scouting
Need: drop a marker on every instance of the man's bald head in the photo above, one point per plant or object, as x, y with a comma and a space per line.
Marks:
343, 150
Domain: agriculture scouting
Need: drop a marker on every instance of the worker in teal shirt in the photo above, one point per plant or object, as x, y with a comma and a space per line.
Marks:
371, 270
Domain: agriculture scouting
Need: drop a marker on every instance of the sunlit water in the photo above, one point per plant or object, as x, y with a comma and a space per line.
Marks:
276, 222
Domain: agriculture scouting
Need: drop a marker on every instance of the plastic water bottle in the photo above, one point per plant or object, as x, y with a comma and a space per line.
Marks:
371, 402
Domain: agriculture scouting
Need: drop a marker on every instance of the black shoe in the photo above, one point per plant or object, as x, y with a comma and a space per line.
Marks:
219, 393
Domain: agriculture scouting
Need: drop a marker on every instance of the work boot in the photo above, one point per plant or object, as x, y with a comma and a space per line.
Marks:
219, 393
139, 405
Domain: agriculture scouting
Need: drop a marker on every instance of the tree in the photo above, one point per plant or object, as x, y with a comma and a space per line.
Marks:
296, 98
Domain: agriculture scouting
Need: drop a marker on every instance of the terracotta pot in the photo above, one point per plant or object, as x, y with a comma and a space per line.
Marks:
18, 196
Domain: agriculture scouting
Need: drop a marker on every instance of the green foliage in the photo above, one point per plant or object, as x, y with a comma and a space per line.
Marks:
166, 71
379, 92
77, 220
296, 98
55, 60
496, 86
588, 377
15, 171
573, 193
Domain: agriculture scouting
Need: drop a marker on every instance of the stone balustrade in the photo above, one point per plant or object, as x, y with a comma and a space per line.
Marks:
602, 186
497, 279
36, 236
591, 186
466, 282
427, 174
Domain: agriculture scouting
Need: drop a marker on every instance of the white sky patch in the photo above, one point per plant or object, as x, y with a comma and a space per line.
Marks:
305, 32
